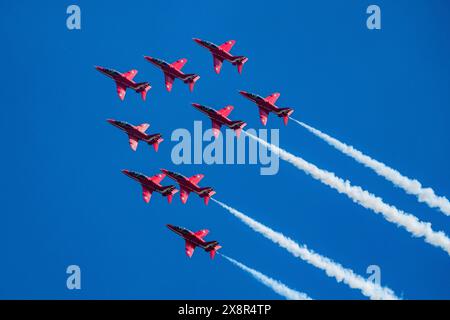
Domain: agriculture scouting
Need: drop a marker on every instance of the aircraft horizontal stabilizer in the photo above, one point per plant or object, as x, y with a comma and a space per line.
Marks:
212, 247
206, 193
239, 62
285, 113
143, 87
237, 126
191, 79
169, 192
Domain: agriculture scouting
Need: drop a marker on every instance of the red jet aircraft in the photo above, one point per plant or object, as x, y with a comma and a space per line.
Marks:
195, 239
267, 105
173, 70
136, 133
219, 118
188, 185
125, 80
221, 53
150, 184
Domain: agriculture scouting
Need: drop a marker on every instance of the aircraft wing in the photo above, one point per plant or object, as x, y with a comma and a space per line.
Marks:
158, 178
273, 98
130, 74
201, 233
225, 111
227, 45
184, 195
146, 193
190, 247
143, 127
179, 63
263, 116
216, 128
133, 142
121, 90
217, 63
196, 179
169, 81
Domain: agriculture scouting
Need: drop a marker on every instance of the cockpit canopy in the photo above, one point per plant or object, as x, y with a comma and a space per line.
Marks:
138, 175
204, 107
123, 123
209, 44
112, 72
160, 62
180, 229
254, 96
177, 175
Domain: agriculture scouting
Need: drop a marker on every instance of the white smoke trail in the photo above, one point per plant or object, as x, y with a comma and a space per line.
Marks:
411, 186
273, 284
332, 269
364, 198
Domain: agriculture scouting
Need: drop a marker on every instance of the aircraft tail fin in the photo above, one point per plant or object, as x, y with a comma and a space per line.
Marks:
191, 79
285, 113
156, 144
237, 126
142, 88
239, 62
212, 253
212, 247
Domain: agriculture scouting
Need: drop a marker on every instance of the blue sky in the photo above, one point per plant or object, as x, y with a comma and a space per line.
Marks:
66, 202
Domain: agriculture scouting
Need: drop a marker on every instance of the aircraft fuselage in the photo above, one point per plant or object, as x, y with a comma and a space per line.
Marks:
167, 68
213, 114
188, 236
118, 77
132, 131
145, 181
261, 102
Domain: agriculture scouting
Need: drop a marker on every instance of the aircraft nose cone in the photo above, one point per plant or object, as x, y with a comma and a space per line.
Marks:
148, 58
126, 172
242, 92
112, 121
99, 68
171, 227
197, 40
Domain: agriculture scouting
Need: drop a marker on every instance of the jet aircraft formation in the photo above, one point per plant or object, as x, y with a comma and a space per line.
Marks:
219, 118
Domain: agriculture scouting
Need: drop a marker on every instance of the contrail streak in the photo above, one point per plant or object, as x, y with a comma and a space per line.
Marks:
331, 268
416, 227
273, 284
411, 186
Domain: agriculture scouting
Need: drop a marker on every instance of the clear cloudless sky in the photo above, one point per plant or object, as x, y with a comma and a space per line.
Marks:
65, 201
